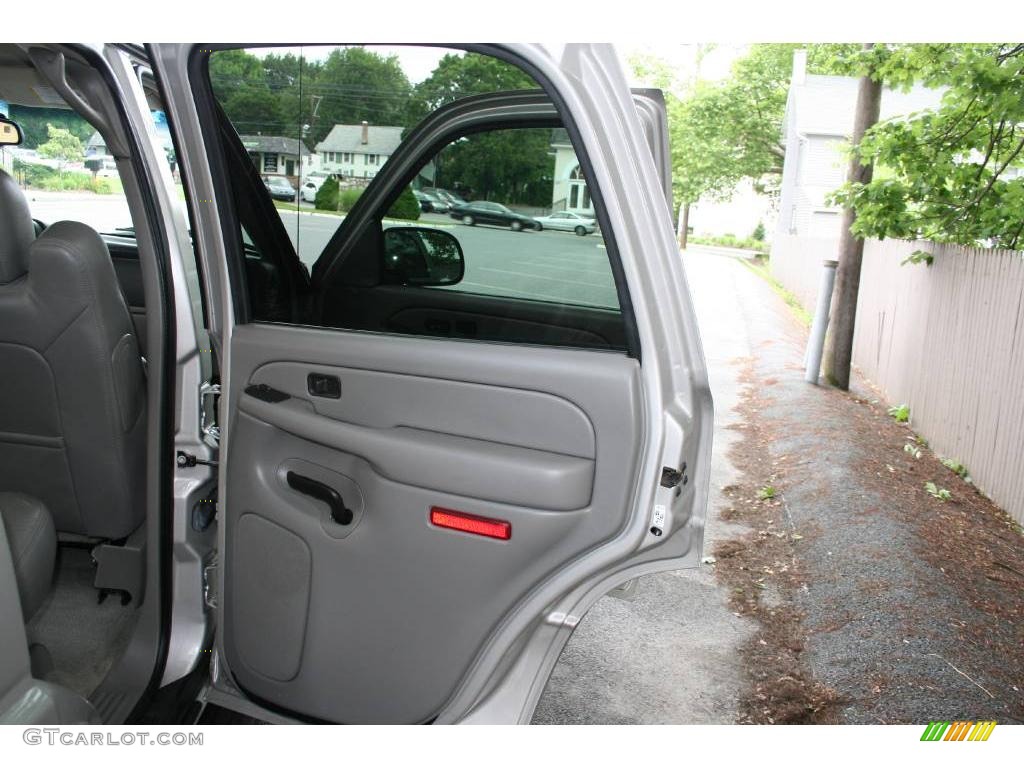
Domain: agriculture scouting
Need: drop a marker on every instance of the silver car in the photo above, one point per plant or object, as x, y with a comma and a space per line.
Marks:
567, 221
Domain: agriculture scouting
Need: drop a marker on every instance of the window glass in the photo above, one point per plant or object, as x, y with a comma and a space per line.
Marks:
65, 166
337, 116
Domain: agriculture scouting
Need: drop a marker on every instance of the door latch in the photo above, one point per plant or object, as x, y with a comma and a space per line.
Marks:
670, 478
208, 391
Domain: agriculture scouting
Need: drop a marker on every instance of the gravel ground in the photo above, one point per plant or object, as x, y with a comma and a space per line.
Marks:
849, 596
895, 607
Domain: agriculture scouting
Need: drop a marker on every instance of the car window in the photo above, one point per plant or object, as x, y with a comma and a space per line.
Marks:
65, 167
342, 112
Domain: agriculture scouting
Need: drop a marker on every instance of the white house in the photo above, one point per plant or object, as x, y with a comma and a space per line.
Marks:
569, 192
358, 151
815, 130
278, 156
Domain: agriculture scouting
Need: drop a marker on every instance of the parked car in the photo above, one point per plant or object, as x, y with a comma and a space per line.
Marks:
319, 486
309, 189
566, 221
446, 195
431, 203
279, 188
486, 212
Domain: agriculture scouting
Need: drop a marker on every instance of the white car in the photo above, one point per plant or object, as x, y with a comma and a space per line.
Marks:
565, 221
309, 188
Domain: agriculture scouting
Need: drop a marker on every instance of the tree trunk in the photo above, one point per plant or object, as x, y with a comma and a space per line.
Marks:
684, 224
839, 344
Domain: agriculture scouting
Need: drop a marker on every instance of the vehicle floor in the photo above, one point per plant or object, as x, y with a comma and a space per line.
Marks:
83, 638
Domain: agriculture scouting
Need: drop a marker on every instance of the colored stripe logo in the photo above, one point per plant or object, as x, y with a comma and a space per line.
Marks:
960, 730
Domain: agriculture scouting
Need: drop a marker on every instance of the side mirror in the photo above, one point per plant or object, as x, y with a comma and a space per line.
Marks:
421, 256
10, 133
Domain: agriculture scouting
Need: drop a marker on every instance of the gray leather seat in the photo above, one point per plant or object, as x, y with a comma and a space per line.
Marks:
27, 545
72, 387
33, 545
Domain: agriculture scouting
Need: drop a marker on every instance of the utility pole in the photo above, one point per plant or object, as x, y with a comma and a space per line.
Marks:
839, 345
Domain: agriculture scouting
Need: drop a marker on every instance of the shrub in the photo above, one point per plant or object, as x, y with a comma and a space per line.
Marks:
347, 198
405, 207
327, 196
44, 177
758, 233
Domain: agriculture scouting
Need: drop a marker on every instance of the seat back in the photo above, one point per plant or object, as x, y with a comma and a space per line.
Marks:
72, 387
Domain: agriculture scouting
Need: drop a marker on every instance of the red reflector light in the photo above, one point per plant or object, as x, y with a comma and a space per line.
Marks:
460, 521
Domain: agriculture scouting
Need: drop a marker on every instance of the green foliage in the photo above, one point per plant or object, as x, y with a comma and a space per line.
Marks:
44, 177
405, 207
347, 198
913, 450
274, 95
731, 241
758, 233
901, 413
945, 174
510, 166
327, 196
724, 132
457, 77
62, 146
939, 493
957, 469
34, 122
766, 492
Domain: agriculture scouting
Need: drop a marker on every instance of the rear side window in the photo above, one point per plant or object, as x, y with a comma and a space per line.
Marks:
503, 240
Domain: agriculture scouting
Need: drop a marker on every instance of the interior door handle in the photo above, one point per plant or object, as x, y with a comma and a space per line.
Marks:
340, 514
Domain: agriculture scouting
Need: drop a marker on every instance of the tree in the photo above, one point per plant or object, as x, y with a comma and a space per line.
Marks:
724, 132
34, 122
456, 77
513, 166
839, 342
62, 146
948, 174
354, 85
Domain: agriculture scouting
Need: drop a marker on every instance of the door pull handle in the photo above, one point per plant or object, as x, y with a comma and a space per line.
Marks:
340, 514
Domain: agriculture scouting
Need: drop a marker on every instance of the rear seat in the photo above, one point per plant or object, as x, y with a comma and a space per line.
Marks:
28, 545
33, 544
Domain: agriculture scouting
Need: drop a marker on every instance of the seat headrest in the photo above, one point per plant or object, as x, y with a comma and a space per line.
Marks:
16, 230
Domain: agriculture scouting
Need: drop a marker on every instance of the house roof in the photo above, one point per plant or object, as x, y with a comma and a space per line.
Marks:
95, 140
274, 145
824, 105
381, 139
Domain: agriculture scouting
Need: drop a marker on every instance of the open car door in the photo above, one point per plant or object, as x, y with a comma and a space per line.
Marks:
414, 521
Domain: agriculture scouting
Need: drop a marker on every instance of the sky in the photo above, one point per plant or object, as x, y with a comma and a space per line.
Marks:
419, 61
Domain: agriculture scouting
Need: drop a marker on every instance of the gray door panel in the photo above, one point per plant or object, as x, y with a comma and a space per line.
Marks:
378, 620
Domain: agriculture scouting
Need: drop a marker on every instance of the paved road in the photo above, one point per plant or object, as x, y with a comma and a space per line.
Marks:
553, 266
670, 654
